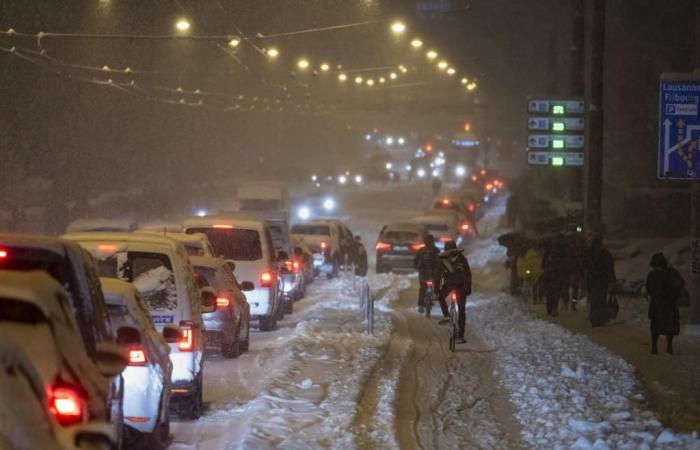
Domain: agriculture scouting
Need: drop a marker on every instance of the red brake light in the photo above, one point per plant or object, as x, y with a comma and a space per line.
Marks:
465, 227
454, 296
66, 405
3, 254
418, 246
474, 178
470, 207
223, 226
383, 246
137, 357
296, 265
222, 302
186, 343
483, 172
445, 201
323, 245
429, 283
266, 279
489, 187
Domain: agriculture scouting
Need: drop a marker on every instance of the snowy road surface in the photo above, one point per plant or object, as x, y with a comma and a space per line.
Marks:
519, 382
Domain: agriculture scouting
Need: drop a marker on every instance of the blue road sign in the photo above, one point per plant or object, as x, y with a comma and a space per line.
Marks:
679, 127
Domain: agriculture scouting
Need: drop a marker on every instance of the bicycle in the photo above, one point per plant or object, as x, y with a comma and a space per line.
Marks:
452, 328
429, 298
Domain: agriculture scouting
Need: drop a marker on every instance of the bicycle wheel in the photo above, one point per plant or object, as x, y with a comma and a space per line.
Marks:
452, 329
428, 305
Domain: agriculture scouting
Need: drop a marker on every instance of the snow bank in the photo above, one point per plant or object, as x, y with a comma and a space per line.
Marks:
568, 392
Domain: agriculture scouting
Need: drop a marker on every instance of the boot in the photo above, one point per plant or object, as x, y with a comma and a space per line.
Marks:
669, 345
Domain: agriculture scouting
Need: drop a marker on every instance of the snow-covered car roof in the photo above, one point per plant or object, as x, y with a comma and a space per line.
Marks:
116, 291
34, 287
119, 242
82, 225
159, 227
245, 221
52, 244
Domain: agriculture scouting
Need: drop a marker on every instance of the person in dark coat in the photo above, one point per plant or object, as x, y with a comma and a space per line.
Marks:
663, 305
455, 276
556, 273
427, 264
600, 278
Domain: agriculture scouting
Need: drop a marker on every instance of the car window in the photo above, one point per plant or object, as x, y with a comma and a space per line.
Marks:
153, 276
208, 273
12, 310
318, 230
401, 236
193, 250
233, 243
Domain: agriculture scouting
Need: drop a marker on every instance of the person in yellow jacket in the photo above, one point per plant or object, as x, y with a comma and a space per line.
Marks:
529, 267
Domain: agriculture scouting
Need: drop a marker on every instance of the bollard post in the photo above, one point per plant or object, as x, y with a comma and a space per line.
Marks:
370, 311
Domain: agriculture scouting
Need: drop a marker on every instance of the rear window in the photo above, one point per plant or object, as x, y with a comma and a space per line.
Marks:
26, 259
206, 274
17, 311
401, 236
318, 230
232, 243
194, 250
119, 314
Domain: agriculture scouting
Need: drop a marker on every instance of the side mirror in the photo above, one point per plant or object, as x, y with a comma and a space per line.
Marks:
86, 435
208, 300
127, 335
171, 333
111, 359
247, 286
231, 263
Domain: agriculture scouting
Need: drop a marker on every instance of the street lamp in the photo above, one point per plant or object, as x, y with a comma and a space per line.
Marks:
358, 80
303, 64
325, 67
416, 43
272, 53
471, 86
464, 81
442, 65
398, 27
393, 75
382, 80
183, 25
451, 71
370, 82
342, 77
432, 54
234, 42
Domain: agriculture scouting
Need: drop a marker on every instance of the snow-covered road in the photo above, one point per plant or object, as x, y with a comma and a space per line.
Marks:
519, 382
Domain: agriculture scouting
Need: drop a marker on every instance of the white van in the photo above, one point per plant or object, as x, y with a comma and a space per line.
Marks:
159, 268
247, 242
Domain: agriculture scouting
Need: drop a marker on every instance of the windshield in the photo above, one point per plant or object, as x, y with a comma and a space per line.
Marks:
27, 258
233, 243
313, 230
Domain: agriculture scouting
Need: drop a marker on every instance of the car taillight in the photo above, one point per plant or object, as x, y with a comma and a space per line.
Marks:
222, 302
266, 279
137, 356
66, 405
383, 246
223, 226
489, 187
323, 245
465, 227
445, 239
470, 207
417, 247
429, 283
296, 265
186, 342
4, 254
453, 297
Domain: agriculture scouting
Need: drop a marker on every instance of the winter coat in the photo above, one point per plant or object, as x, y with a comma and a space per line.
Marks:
455, 273
427, 263
663, 306
600, 268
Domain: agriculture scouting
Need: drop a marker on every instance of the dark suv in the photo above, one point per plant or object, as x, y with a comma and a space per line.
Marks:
398, 245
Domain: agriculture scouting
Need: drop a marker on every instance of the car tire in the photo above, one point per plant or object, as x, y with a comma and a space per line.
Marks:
268, 323
245, 342
335, 267
192, 407
231, 347
288, 306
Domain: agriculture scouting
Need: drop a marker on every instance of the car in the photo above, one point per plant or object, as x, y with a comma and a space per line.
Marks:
456, 204
398, 245
36, 316
160, 269
247, 242
332, 242
443, 227
27, 421
196, 244
228, 328
466, 227
304, 257
75, 269
83, 225
148, 374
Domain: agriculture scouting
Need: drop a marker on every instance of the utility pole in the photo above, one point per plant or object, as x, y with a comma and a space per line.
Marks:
577, 86
594, 119
695, 209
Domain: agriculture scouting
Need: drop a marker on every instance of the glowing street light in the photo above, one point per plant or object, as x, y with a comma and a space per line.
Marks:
432, 54
451, 71
234, 42
325, 67
382, 80
303, 64
402, 141
304, 213
442, 65
389, 166
416, 43
358, 80
183, 25
393, 75
403, 68
471, 86
464, 81
370, 82
342, 77
398, 27
272, 53
389, 140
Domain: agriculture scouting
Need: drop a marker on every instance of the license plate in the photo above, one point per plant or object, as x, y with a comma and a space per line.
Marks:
400, 248
162, 319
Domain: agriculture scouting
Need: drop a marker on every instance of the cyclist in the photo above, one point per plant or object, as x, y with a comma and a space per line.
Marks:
426, 263
455, 276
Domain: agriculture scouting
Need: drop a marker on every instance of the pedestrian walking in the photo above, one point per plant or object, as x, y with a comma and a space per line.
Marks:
663, 295
600, 279
555, 277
